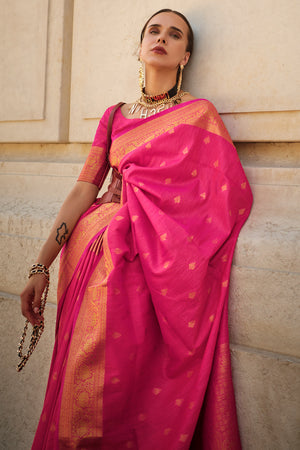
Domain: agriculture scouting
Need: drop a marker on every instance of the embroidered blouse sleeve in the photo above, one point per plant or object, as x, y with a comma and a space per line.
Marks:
95, 167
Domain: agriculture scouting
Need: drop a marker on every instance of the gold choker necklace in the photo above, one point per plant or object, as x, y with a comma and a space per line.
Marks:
150, 105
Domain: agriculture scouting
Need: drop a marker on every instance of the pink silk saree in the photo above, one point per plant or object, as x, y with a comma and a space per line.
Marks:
141, 358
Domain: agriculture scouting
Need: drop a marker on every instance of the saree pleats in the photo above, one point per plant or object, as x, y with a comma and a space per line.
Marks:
142, 355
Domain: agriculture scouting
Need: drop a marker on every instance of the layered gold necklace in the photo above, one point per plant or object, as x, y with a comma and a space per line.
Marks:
148, 105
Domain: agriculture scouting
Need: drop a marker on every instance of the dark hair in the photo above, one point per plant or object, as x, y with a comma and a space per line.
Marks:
190, 44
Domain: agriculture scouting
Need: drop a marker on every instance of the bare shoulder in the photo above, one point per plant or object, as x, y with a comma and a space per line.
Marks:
126, 108
187, 97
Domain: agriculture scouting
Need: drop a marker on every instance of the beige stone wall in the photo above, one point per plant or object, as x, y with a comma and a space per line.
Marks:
81, 57
68, 56
35, 54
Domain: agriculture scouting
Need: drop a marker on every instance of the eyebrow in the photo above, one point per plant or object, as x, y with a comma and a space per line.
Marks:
172, 28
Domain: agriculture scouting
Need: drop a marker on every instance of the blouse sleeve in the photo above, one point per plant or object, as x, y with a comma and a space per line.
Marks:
95, 168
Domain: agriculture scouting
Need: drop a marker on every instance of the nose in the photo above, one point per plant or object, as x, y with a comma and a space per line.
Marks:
161, 39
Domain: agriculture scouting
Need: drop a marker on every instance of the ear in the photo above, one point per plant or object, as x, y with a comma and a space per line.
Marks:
185, 59
139, 52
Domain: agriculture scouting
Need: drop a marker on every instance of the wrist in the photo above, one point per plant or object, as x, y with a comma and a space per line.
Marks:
39, 268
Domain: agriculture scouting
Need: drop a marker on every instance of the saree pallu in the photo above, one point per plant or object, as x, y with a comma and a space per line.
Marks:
142, 357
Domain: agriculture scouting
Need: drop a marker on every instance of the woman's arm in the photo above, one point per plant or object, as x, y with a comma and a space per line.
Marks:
78, 201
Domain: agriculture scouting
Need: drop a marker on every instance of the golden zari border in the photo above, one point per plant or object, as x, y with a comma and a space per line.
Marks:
81, 416
201, 114
96, 160
224, 428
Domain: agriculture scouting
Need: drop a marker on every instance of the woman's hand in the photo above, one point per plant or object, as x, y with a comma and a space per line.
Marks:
31, 298
78, 201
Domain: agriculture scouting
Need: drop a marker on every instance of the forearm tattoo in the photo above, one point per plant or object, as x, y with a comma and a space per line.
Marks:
62, 232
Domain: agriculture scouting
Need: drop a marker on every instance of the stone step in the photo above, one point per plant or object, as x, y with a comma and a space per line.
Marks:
24, 179
24, 218
34, 192
262, 380
276, 190
18, 253
264, 310
274, 250
263, 303
22, 236
271, 236
289, 176
19, 423
37, 181
265, 384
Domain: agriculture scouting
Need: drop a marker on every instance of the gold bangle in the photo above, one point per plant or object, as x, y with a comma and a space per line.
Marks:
37, 329
39, 268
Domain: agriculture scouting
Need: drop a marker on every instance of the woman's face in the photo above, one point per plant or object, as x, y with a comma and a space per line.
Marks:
165, 42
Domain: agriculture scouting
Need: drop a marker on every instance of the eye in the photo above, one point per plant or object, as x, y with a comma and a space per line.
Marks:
153, 31
175, 35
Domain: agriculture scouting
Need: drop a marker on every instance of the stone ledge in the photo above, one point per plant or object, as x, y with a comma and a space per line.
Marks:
39, 181
269, 154
36, 188
263, 310
44, 152
272, 202
271, 236
22, 394
262, 305
270, 239
255, 175
40, 168
264, 383
20, 254
267, 390
21, 218
266, 241
267, 249
287, 176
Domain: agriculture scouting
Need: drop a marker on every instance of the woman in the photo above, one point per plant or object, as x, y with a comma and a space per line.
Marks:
141, 352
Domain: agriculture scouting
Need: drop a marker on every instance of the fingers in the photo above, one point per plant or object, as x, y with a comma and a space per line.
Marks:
31, 299
37, 301
26, 306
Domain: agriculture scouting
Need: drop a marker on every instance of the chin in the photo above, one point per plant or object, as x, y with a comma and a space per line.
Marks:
158, 62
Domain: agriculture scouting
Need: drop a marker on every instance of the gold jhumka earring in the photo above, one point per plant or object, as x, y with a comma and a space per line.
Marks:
180, 78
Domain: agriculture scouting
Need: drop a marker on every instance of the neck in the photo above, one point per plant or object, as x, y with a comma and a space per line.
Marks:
158, 82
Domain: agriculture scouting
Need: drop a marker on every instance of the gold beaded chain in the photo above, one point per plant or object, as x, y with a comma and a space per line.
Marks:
149, 105
37, 329
148, 102
149, 108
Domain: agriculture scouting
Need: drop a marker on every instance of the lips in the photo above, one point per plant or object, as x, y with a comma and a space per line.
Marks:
159, 50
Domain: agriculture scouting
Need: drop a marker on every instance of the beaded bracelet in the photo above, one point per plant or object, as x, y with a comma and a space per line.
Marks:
37, 329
